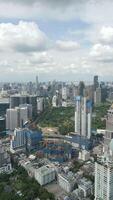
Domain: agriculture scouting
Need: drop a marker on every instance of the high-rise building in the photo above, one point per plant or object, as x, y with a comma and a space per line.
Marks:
37, 86
16, 100
16, 117
18, 139
109, 129
12, 118
83, 115
97, 96
40, 104
81, 87
96, 83
64, 93
104, 178
78, 115
25, 139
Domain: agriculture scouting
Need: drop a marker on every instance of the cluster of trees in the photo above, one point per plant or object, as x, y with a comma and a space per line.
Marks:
100, 111
58, 117
27, 187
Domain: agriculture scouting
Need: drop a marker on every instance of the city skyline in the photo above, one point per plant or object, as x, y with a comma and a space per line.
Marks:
57, 40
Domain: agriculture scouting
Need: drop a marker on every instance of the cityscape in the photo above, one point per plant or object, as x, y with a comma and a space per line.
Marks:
56, 100
59, 135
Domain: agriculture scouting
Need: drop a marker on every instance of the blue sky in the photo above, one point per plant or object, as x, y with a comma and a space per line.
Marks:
63, 40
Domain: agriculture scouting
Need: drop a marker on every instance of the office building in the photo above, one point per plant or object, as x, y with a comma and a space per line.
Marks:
33, 140
104, 178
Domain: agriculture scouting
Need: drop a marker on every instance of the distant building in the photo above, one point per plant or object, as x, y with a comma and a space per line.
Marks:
96, 83
97, 96
64, 93
40, 104
16, 100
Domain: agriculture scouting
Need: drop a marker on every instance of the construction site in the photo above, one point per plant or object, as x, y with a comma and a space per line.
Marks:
56, 150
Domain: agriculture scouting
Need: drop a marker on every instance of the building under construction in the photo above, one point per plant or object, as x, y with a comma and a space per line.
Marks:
56, 151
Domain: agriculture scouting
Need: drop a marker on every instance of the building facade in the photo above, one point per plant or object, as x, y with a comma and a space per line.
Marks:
104, 178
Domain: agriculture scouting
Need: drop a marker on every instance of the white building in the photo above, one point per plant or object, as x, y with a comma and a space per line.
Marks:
45, 175
16, 117
97, 96
64, 93
40, 104
12, 118
83, 116
104, 178
54, 101
86, 187
78, 115
18, 139
84, 155
66, 181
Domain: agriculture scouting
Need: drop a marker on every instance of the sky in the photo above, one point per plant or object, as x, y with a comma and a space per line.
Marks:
67, 40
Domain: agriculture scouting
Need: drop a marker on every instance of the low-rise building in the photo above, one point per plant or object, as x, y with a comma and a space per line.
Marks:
66, 181
86, 187
45, 174
84, 155
5, 162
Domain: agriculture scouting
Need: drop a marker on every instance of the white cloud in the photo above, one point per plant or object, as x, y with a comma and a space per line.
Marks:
106, 34
22, 37
102, 52
67, 45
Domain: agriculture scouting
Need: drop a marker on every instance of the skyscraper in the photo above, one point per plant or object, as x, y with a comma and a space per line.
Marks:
78, 115
104, 178
97, 96
37, 86
109, 129
83, 115
96, 83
